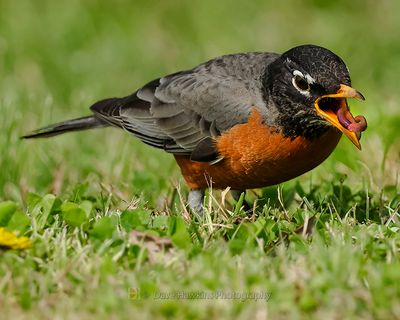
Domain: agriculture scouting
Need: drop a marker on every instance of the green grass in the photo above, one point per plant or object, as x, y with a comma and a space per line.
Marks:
107, 214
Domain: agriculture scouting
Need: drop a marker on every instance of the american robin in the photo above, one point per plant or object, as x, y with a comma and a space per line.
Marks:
243, 121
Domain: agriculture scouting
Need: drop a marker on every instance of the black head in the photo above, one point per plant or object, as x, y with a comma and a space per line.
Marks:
296, 80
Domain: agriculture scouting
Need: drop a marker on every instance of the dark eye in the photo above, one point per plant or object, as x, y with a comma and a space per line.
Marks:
300, 83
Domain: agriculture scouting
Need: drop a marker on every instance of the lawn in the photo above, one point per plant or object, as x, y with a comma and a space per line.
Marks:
111, 235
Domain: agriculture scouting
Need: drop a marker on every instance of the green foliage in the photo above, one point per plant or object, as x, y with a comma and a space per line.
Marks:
137, 219
110, 234
104, 228
179, 235
7, 210
73, 214
301, 260
12, 217
19, 222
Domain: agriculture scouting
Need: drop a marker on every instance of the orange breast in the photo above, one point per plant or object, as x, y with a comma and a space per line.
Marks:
257, 156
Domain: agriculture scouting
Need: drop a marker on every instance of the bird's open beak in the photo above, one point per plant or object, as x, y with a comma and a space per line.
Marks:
334, 108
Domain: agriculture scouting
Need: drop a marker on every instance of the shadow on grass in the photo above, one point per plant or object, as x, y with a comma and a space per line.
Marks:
336, 198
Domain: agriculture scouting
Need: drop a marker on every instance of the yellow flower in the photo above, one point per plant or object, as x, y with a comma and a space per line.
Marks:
10, 240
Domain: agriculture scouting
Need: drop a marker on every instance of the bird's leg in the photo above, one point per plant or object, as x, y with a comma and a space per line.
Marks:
195, 201
236, 196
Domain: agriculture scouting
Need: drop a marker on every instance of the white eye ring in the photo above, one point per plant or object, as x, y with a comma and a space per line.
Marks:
307, 79
298, 73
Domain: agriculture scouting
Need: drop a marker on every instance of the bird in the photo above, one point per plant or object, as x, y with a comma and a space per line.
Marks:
239, 121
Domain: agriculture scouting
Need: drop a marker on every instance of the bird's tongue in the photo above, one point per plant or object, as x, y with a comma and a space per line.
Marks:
346, 119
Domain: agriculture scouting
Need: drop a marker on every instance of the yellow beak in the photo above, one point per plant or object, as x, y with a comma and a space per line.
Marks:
339, 114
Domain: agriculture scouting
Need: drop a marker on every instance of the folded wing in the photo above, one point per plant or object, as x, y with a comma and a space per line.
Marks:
186, 110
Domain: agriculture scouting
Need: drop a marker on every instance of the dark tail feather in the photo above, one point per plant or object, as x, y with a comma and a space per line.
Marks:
84, 123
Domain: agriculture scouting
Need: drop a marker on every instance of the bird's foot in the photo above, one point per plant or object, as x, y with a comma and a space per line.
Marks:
195, 201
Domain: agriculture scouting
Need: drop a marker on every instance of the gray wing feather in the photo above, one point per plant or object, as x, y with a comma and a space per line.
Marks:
180, 110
